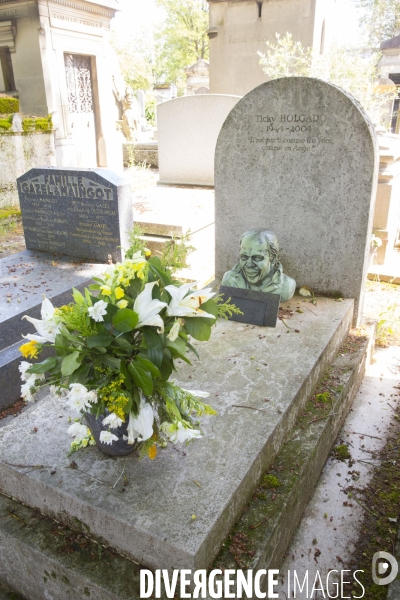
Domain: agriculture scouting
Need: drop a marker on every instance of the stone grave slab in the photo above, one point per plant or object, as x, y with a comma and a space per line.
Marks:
25, 277
76, 212
164, 212
259, 382
299, 156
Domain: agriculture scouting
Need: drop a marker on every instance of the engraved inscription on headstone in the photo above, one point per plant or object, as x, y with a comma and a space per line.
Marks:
87, 214
258, 308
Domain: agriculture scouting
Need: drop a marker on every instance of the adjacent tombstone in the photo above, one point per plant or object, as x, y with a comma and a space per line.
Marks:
76, 212
299, 156
188, 129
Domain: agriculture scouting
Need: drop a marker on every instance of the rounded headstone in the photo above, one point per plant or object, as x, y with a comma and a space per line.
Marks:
299, 156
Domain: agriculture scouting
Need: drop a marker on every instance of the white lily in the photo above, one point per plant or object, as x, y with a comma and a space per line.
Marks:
148, 309
176, 432
141, 427
197, 393
47, 328
185, 304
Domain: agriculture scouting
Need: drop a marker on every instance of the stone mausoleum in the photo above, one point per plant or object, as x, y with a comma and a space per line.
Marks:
55, 56
240, 28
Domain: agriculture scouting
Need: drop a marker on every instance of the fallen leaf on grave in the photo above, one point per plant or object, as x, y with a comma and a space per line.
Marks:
54, 263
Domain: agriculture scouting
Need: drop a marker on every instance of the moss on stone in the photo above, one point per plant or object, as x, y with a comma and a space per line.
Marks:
9, 105
324, 397
5, 123
342, 452
270, 482
8, 212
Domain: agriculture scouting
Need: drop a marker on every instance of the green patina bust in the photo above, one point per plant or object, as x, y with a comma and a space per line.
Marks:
258, 267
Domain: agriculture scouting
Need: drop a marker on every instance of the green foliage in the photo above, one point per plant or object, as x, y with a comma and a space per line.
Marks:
30, 124
9, 106
5, 123
388, 326
286, 58
182, 39
323, 397
8, 212
270, 482
175, 253
226, 309
380, 19
124, 344
351, 69
342, 452
135, 57
136, 243
150, 111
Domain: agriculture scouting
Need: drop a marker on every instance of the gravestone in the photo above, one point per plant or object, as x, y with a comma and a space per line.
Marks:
76, 212
299, 156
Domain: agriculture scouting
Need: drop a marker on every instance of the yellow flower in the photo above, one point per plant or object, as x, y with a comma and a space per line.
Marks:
30, 349
147, 252
106, 290
122, 304
119, 293
152, 452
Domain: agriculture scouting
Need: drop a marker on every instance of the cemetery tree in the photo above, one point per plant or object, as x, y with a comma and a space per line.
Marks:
135, 59
380, 19
349, 68
182, 39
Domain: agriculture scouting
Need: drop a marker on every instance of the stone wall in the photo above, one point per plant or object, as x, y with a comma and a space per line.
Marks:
20, 152
386, 224
240, 29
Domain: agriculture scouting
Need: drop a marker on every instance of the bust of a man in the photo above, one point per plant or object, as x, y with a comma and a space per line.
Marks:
258, 267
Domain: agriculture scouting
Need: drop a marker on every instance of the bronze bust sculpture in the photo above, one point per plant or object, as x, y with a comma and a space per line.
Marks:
258, 267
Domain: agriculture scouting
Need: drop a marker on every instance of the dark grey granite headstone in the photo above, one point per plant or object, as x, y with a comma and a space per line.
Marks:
76, 212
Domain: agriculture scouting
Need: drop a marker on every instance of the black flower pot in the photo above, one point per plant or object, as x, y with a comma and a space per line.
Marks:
119, 447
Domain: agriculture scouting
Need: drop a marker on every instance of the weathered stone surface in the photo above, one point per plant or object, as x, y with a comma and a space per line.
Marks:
188, 129
151, 521
299, 156
18, 153
42, 559
38, 547
25, 277
76, 212
310, 442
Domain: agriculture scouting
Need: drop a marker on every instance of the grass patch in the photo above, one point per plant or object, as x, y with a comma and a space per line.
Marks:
9, 212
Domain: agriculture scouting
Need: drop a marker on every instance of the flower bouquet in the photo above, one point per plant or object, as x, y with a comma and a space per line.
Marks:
115, 349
